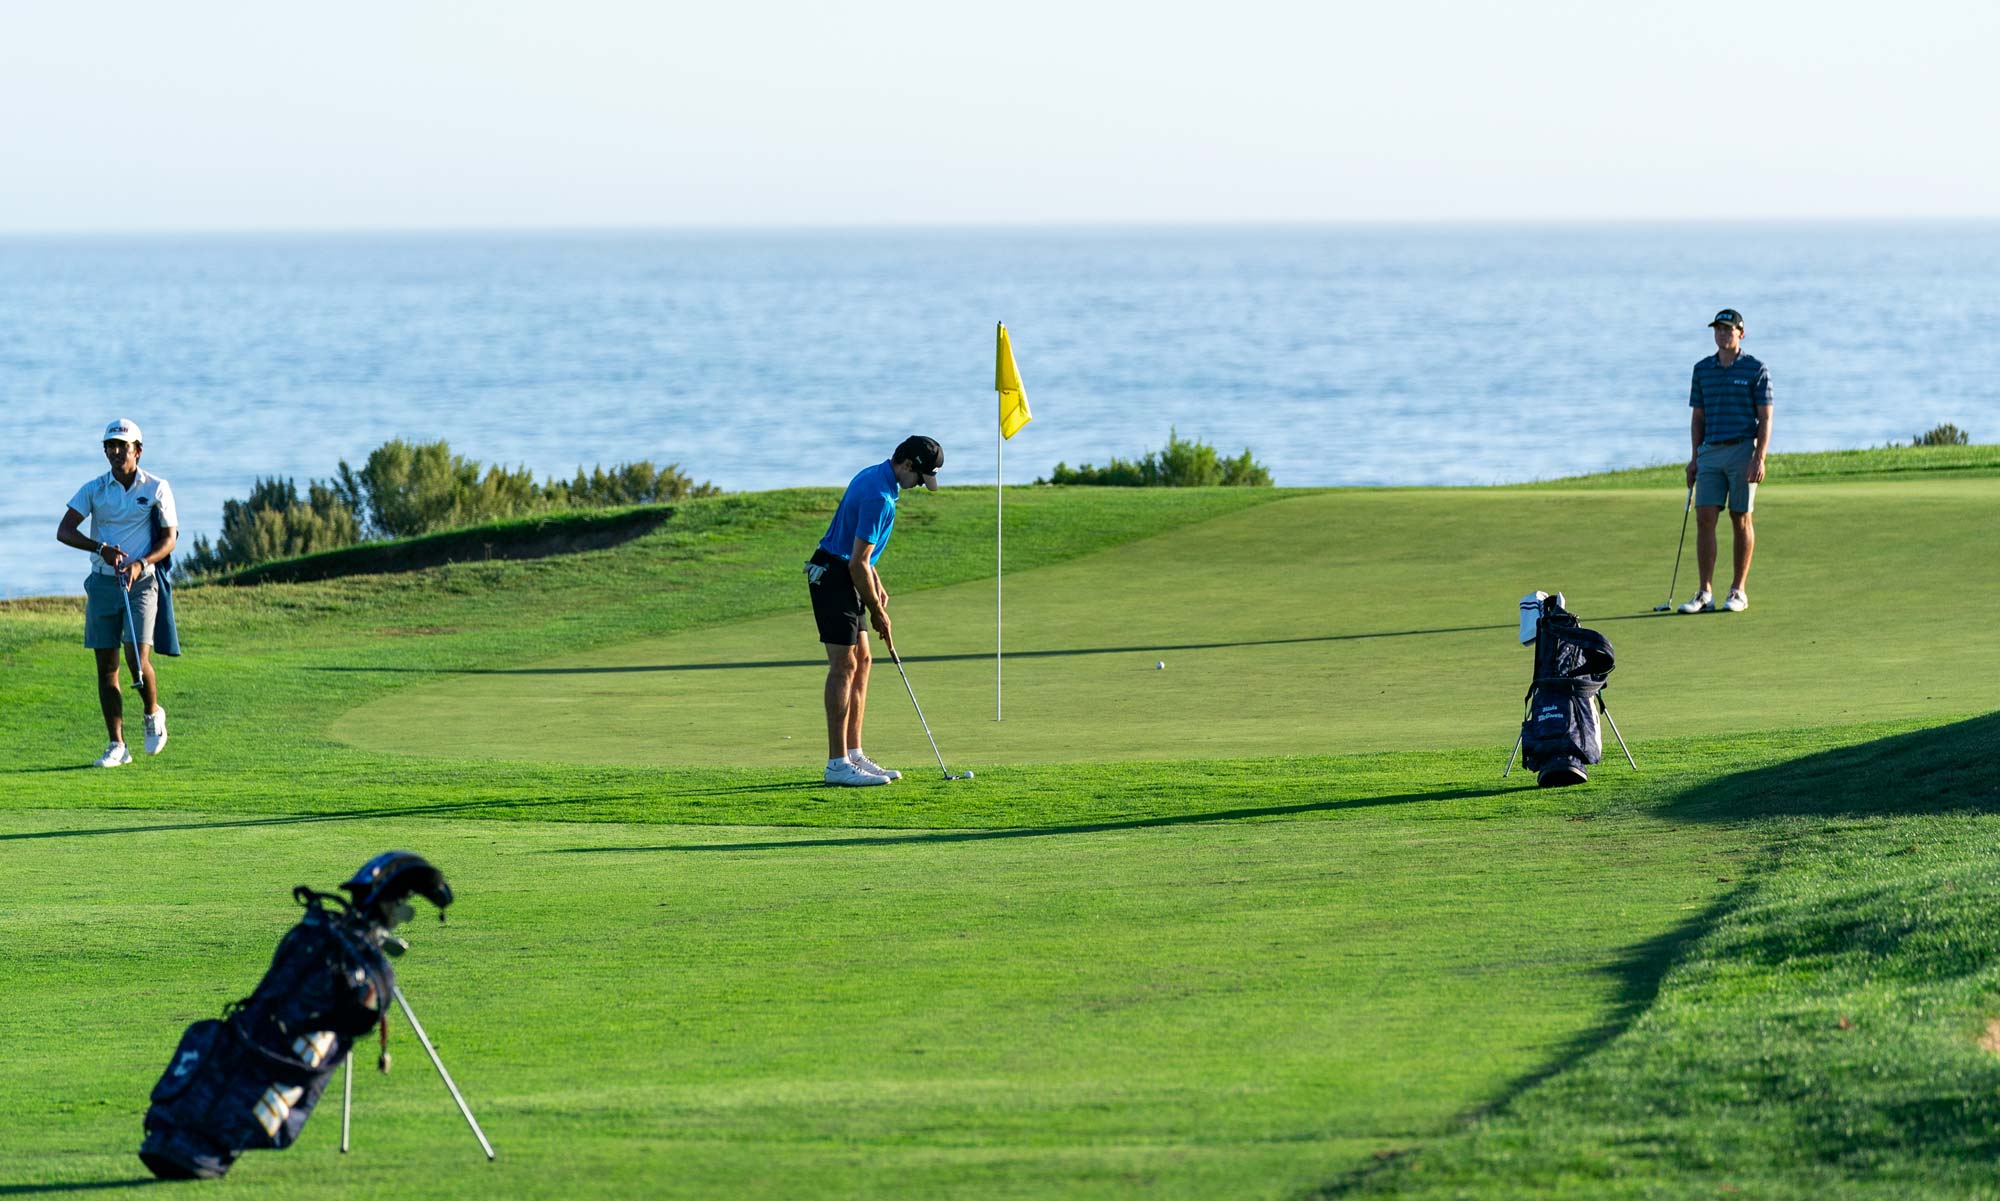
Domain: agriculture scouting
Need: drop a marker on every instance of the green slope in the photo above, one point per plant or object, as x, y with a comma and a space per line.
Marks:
1349, 621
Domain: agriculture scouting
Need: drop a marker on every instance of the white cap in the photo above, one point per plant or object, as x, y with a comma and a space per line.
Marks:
122, 430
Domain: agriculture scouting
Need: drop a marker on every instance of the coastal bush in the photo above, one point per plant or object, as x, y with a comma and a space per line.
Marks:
1944, 434
407, 489
1183, 464
273, 523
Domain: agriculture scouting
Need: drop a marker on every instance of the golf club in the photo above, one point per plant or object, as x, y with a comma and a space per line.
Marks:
131, 629
920, 717
1668, 607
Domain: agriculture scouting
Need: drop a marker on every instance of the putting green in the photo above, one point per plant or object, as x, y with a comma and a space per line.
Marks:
1288, 629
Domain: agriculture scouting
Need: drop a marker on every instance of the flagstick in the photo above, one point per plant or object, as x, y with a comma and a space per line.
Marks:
999, 529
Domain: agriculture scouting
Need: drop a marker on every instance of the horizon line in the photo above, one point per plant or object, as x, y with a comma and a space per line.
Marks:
1079, 225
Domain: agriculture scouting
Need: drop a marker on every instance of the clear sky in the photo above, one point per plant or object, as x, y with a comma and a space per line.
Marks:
206, 114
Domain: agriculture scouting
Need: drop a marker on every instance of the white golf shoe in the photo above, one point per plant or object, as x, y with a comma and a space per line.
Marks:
1737, 601
847, 775
1701, 602
869, 765
156, 731
114, 755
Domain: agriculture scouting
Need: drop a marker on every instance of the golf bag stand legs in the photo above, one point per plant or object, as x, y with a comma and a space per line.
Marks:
1606, 710
1512, 753
404, 1003
346, 1099
347, 1081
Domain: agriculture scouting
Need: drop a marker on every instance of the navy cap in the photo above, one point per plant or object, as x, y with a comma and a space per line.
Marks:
1728, 317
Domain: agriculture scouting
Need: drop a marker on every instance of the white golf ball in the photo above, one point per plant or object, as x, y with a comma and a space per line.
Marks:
1161, 665
968, 775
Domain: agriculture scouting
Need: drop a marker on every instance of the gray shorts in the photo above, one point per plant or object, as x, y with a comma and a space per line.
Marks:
104, 610
1722, 473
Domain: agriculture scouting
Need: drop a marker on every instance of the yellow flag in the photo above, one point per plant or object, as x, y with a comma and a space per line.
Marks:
1007, 381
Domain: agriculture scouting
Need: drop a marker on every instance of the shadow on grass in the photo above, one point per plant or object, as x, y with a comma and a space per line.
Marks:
82, 1186
977, 656
1947, 769
301, 819
1136, 823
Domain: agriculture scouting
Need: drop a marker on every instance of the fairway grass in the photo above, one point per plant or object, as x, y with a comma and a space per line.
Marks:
1213, 1009
1266, 924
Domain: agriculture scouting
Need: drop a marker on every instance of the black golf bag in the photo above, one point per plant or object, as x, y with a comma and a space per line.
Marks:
1559, 734
250, 1080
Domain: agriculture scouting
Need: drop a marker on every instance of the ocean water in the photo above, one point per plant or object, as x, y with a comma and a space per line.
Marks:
1339, 355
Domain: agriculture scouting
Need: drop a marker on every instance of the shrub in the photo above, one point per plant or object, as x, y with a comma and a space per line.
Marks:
1945, 434
638, 483
274, 524
406, 489
1183, 464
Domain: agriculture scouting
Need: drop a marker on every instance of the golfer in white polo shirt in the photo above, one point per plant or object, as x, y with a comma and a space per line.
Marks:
124, 506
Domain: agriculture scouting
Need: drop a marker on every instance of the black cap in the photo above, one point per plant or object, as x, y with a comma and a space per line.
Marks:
924, 454
1727, 317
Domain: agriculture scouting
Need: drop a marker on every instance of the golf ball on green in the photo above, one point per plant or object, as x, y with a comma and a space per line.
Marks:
1161, 665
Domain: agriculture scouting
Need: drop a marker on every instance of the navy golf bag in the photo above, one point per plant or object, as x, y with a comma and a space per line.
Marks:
250, 1080
1559, 734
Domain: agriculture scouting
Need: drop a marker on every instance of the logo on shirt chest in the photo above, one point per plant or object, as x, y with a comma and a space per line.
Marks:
140, 500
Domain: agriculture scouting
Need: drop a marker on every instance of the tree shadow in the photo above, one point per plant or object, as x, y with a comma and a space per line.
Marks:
82, 1186
972, 657
1953, 768
1105, 827
1945, 769
305, 819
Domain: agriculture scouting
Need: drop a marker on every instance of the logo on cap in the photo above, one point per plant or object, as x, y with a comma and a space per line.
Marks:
122, 430
1728, 317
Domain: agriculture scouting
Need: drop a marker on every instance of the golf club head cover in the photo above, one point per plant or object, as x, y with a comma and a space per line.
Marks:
383, 882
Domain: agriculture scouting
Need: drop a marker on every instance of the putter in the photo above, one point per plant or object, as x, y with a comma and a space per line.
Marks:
131, 628
920, 717
1668, 607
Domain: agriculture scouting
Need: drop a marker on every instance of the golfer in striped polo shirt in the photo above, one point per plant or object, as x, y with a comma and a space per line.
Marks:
1731, 431
121, 593
846, 592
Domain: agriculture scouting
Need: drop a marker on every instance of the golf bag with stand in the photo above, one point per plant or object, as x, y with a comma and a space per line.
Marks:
1559, 734
250, 1080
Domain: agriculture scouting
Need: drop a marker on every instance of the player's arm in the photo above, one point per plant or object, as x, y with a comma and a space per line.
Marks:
70, 533
868, 584
1763, 444
167, 538
1696, 424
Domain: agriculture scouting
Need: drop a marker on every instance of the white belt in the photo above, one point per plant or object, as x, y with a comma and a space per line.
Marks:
103, 568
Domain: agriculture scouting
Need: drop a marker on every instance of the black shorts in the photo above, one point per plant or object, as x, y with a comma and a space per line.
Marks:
837, 606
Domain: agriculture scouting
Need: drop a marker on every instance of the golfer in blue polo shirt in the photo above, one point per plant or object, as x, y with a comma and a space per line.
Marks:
844, 585
1731, 430
121, 594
